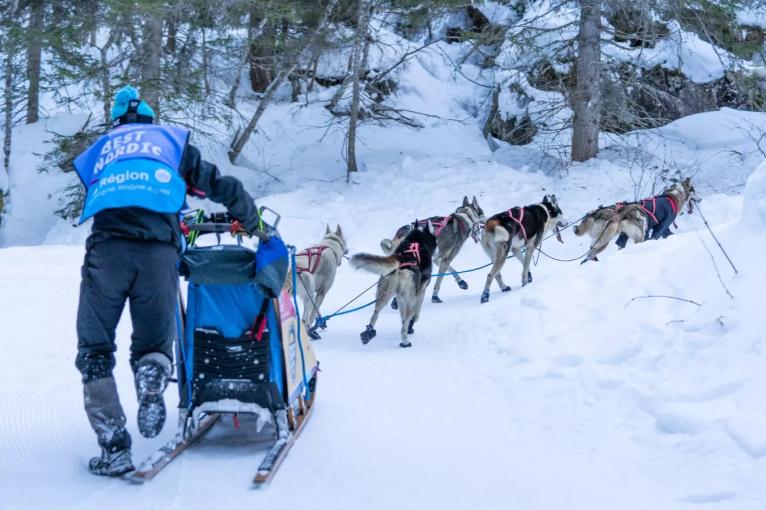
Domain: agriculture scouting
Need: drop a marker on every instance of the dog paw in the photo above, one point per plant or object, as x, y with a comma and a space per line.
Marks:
404, 344
485, 296
436, 299
462, 284
314, 335
505, 289
368, 334
394, 304
529, 276
410, 331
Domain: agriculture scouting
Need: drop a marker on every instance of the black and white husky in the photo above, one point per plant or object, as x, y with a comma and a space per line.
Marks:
451, 233
405, 274
517, 229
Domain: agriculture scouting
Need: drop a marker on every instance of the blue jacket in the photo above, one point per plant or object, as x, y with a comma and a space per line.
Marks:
196, 177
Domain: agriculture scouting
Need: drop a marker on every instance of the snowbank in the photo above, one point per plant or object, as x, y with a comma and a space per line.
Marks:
754, 212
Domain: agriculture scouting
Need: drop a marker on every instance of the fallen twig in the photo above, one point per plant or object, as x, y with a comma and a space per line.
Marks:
662, 296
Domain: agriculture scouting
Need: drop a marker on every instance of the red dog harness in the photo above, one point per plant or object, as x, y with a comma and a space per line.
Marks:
413, 250
439, 225
653, 201
519, 221
314, 256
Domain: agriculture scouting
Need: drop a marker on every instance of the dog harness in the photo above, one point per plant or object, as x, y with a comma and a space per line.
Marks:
519, 220
673, 205
314, 256
475, 227
413, 256
439, 225
653, 213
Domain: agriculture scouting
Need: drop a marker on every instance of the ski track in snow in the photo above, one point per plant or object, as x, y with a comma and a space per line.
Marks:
558, 395
555, 395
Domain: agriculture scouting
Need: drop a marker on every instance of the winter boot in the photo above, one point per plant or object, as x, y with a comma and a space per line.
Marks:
152, 374
115, 455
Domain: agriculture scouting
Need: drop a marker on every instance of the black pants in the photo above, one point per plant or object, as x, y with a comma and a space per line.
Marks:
143, 273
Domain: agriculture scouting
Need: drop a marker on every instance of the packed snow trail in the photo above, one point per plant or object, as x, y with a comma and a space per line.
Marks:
557, 395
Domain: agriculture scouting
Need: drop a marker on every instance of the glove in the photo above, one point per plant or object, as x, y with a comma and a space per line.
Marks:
237, 229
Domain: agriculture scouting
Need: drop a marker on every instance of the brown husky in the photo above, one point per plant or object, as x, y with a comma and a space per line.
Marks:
649, 218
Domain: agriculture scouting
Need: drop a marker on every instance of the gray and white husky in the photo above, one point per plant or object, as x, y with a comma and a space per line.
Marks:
405, 274
316, 267
517, 229
451, 233
649, 218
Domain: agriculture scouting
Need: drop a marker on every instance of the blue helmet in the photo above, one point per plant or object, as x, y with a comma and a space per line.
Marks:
129, 108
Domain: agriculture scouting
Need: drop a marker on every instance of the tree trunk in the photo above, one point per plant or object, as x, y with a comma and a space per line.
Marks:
239, 143
252, 33
34, 57
171, 44
106, 89
8, 107
205, 63
360, 37
587, 96
261, 53
151, 63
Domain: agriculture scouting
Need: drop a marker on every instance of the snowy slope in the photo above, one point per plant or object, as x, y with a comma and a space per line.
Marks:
557, 395
560, 395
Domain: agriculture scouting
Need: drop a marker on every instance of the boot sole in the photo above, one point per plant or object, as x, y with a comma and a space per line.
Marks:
151, 415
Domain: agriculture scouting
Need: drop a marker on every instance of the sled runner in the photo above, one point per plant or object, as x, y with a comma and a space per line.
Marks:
242, 349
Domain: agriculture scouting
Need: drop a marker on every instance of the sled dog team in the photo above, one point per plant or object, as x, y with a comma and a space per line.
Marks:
406, 267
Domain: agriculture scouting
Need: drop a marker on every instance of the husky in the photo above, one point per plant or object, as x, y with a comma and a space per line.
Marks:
316, 267
517, 229
451, 233
405, 273
649, 218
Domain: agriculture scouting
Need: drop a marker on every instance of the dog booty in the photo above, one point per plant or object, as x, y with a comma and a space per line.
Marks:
368, 334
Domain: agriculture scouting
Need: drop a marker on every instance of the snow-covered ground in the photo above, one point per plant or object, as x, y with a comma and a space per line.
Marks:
565, 394
558, 395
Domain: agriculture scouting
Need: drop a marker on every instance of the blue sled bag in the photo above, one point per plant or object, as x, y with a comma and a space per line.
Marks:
271, 264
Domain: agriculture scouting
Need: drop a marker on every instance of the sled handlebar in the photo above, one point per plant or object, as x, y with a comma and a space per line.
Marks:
223, 223
226, 228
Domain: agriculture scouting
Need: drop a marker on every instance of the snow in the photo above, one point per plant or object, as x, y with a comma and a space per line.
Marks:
754, 214
566, 393
557, 395
681, 50
753, 16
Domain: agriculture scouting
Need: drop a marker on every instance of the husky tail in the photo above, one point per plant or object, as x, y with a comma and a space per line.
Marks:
494, 232
375, 263
584, 226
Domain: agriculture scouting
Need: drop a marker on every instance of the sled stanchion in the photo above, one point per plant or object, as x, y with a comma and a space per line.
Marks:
298, 318
697, 205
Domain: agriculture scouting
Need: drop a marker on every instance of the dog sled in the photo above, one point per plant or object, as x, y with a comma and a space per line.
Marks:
241, 349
